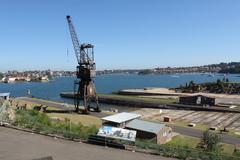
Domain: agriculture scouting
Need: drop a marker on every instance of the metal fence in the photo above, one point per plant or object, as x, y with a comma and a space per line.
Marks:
163, 150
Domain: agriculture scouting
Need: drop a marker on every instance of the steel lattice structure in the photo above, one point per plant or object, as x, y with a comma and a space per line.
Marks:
84, 88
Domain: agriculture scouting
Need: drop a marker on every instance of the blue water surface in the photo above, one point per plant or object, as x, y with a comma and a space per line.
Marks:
108, 83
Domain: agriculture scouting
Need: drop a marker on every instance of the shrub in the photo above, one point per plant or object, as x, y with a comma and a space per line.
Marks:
40, 122
210, 141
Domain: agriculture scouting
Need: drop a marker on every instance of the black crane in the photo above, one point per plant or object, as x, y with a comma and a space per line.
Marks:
84, 88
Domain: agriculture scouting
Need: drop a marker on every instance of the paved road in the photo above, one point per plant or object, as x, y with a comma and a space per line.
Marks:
182, 130
19, 145
198, 133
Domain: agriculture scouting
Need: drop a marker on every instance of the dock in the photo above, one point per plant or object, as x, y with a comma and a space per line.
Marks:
138, 103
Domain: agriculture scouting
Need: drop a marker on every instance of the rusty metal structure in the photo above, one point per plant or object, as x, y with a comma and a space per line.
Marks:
84, 88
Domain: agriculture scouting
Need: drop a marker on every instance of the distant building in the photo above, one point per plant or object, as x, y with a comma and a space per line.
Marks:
120, 119
8, 79
5, 96
199, 100
155, 132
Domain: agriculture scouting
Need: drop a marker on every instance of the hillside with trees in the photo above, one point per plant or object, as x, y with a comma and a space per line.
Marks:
232, 67
220, 86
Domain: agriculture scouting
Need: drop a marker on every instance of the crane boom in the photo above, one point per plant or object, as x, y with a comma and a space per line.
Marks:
75, 41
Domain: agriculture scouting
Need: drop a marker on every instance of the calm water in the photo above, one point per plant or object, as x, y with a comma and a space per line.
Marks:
107, 84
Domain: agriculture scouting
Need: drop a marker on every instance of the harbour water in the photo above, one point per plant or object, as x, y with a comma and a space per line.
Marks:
108, 84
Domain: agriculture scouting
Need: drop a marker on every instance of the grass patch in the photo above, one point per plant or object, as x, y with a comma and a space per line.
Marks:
228, 148
181, 148
44, 100
30, 105
235, 133
137, 98
85, 120
192, 142
41, 122
181, 140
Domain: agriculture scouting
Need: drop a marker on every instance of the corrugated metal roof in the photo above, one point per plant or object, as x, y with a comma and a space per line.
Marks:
4, 94
121, 117
145, 126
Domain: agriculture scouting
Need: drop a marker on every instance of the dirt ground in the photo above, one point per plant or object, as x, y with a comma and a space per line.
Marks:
211, 119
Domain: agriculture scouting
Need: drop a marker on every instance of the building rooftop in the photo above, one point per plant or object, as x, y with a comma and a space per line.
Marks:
146, 126
4, 94
121, 117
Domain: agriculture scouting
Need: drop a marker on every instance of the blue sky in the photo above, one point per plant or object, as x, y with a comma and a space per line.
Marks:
126, 33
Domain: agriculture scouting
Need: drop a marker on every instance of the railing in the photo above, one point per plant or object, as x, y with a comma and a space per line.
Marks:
163, 150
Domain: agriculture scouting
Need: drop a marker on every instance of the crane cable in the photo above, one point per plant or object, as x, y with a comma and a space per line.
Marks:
67, 42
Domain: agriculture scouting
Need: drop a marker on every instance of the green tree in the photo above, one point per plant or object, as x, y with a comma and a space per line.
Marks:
227, 80
146, 71
1, 75
219, 81
191, 84
210, 141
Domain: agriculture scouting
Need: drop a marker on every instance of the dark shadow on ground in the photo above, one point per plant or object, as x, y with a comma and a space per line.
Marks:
59, 111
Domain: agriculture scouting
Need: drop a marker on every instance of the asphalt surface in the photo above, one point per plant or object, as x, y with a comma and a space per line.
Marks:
19, 145
182, 130
198, 133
